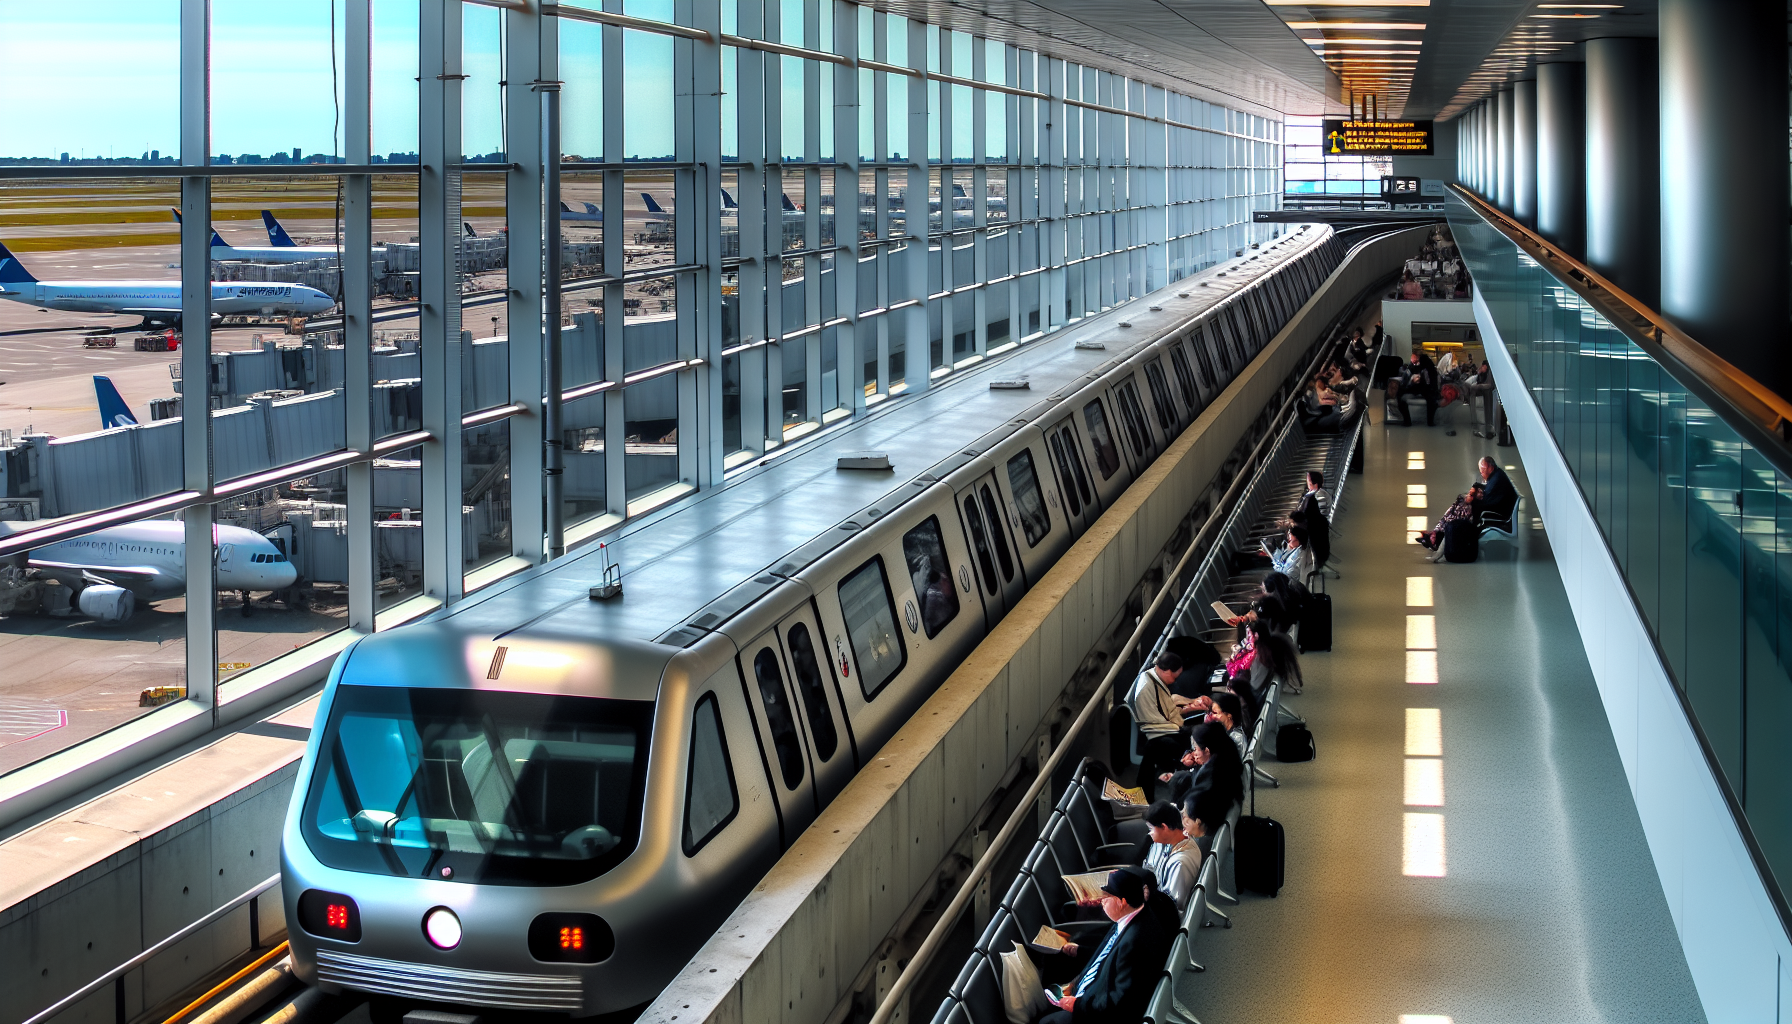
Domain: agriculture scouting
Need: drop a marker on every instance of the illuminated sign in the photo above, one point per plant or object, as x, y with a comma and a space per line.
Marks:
1396, 189
1377, 138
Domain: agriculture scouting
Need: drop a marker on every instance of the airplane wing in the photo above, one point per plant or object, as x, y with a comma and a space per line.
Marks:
151, 312
140, 580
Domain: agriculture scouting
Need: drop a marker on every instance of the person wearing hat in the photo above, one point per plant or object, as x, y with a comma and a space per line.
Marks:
1124, 966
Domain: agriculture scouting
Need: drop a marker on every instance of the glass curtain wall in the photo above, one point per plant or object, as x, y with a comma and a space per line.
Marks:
1698, 520
1311, 171
323, 393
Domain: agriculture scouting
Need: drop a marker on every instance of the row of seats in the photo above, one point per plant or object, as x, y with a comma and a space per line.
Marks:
1083, 832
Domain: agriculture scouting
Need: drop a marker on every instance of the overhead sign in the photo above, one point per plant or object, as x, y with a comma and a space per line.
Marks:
1377, 138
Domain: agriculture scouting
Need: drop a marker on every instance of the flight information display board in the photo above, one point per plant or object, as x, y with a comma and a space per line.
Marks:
1377, 138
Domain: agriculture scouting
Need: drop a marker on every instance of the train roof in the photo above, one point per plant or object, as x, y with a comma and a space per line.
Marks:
680, 562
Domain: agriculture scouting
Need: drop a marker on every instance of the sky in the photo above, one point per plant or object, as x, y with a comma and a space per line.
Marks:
101, 78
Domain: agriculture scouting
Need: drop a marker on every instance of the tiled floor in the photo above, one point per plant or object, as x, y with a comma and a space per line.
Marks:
1541, 903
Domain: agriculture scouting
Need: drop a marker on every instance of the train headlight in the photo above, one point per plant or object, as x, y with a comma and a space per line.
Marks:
442, 928
571, 939
329, 915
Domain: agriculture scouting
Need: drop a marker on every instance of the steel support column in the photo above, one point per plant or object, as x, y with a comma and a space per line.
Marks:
1623, 165
1524, 152
196, 351
1724, 198
1562, 155
357, 309
531, 62
439, 338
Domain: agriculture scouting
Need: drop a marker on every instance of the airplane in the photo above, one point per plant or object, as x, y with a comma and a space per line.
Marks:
659, 222
279, 252
157, 302
111, 570
592, 213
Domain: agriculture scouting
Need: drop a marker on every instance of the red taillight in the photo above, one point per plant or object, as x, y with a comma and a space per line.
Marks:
330, 915
336, 916
572, 938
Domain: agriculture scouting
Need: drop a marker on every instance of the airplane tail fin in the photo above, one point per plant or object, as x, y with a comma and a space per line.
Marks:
218, 241
11, 270
652, 207
788, 205
728, 202
958, 191
565, 208
113, 411
277, 235
176, 211
468, 228
592, 209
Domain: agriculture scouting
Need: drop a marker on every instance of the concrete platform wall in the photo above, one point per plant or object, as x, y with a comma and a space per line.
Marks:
792, 949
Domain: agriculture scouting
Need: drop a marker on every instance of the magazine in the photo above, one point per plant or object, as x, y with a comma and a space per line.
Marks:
1226, 614
1049, 939
1086, 887
1112, 790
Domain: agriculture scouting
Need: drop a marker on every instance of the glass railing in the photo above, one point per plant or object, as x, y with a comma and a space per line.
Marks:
1694, 504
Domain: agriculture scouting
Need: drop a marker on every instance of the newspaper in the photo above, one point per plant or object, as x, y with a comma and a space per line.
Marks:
1049, 939
1112, 790
1225, 613
1086, 887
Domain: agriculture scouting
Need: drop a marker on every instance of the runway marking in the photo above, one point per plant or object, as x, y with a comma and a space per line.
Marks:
20, 722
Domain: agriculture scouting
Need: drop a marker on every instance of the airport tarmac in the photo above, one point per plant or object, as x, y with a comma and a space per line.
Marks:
68, 679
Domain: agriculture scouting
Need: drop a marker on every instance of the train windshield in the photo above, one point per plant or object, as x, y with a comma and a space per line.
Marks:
478, 785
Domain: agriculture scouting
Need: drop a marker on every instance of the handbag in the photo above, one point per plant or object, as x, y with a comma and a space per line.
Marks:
1023, 994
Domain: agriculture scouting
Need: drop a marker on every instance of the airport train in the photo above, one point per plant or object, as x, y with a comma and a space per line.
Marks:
545, 799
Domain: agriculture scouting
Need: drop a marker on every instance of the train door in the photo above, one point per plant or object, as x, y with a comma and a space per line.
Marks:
1132, 418
1169, 417
813, 674
1185, 380
766, 677
1081, 504
1104, 453
995, 561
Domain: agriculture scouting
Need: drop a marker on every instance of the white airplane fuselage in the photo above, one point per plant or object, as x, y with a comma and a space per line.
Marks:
149, 558
152, 297
283, 253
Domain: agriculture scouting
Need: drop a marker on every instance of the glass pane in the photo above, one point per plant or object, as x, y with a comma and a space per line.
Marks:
870, 618
779, 720
1023, 481
809, 683
931, 573
650, 412
998, 533
583, 491
485, 466
64, 634
1107, 455
111, 68
980, 543
398, 526
711, 800
282, 569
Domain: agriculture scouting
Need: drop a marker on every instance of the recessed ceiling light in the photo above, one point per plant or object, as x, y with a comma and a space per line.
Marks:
1359, 40
1362, 53
1361, 26
1347, 3
1564, 15
1608, 7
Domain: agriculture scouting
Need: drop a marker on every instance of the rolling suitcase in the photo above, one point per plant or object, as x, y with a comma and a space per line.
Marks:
1316, 618
1294, 742
1258, 852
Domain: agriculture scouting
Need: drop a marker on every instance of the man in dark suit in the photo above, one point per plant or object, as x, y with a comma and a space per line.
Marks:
1312, 515
1498, 497
1419, 379
1123, 968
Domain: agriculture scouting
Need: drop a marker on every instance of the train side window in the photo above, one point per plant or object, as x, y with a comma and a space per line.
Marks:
871, 626
1185, 381
1035, 521
1160, 397
931, 572
778, 718
973, 520
1071, 500
992, 511
710, 797
815, 696
1107, 457
1222, 346
1203, 362
1132, 416
1075, 456
1241, 338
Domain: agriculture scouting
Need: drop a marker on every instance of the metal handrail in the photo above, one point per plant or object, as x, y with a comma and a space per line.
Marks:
137, 961
1652, 332
1024, 810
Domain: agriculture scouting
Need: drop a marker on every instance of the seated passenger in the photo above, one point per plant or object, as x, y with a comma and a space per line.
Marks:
1462, 508
1212, 764
1202, 817
1295, 559
1173, 858
1159, 714
1228, 711
1124, 965
1499, 497
1410, 288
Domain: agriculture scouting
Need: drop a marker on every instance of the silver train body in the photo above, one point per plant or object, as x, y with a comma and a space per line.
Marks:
539, 801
